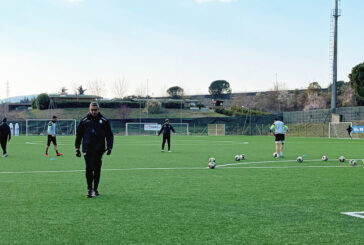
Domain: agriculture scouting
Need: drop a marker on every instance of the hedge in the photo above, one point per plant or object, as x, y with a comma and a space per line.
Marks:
103, 104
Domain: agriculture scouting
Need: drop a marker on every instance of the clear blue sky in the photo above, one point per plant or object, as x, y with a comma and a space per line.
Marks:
47, 44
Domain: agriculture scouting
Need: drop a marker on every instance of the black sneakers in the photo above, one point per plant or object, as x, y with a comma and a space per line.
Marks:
96, 193
90, 194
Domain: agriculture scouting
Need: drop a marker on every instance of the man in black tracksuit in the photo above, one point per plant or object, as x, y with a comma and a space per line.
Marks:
5, 135
93, 130
166, 129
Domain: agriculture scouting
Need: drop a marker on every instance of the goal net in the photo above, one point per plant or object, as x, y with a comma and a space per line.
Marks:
338, 130
40, 127
153, 128
216, 129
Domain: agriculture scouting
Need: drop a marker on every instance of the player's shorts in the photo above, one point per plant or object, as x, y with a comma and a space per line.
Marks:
280, 138
51, 139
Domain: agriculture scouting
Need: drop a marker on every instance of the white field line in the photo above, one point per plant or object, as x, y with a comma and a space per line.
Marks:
271, 161
146, 169
355, 214
145, 144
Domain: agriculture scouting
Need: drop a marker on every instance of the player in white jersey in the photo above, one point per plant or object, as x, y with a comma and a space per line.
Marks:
279, 130
51, 137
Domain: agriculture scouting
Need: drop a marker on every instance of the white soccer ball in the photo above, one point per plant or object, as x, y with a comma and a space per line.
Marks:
324, 158
275, 155
242, 157
352, 162
237, 158
212, 163
299, 159
342, 159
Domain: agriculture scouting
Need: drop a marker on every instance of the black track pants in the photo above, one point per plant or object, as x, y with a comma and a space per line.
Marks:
93, 162
166, 137
4, 141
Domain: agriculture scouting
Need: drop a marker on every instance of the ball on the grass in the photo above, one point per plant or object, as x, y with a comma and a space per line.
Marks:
212, 165
242, 157
325, 158
275, 155
211, 159
342, 159
299, 159
237, 158
352, 162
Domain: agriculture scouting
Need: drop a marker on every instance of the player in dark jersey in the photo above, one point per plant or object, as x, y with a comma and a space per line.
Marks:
350, 130
166, 129
5, 136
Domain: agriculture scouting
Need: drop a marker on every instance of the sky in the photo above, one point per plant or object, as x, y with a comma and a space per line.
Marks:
156, 44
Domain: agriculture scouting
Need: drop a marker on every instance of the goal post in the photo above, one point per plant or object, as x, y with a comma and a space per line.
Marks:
215, 129
153, 128
40, 126
338, 130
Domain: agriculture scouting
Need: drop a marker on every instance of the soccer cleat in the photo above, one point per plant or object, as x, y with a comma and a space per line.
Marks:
5, 155
90, 194
59, 154
46, 154
96, 193
281, 154
162, 150
169, 151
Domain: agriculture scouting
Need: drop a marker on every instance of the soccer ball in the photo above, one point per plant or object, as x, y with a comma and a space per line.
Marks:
212, 163
242, 157
275, 155
237, 158
342, 159
299, 159
352, 162
324, 158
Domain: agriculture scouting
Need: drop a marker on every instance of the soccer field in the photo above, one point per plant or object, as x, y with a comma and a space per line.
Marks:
149, 197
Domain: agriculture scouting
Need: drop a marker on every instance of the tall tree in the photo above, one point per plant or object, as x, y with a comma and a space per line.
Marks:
175, 92
120, 88
220, 89
97, 87
314, 87
357, 79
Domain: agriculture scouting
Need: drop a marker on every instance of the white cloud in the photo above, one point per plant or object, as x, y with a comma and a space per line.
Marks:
221, 1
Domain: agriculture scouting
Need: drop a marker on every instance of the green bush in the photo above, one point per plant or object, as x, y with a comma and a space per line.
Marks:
42, 101
172, 105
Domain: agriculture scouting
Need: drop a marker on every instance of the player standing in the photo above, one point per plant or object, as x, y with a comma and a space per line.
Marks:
93, 130
350, 131
166, 129
279, 130
5, 135
51, 137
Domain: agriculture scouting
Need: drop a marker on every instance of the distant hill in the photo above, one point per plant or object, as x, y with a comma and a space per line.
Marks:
18, 98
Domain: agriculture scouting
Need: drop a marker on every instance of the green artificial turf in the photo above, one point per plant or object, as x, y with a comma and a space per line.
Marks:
149, 197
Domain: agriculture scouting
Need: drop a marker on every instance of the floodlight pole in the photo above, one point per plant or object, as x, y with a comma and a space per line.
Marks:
336, 15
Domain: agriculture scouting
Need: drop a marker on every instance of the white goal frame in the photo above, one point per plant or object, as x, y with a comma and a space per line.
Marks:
153, 123
213, 129
333, 130
47, 120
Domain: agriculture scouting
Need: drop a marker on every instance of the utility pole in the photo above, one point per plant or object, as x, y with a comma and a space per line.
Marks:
336, 15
